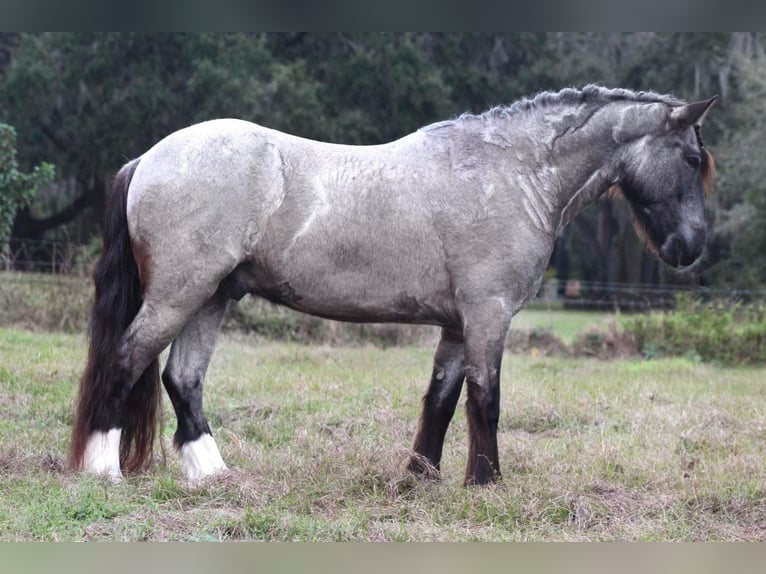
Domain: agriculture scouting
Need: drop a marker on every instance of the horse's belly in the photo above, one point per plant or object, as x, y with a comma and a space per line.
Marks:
379, 295
360, 301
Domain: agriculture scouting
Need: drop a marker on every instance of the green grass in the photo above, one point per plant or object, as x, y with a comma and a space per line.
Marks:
317, 439
565, 324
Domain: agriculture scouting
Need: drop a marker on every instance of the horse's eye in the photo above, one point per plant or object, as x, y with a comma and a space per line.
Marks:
694, 160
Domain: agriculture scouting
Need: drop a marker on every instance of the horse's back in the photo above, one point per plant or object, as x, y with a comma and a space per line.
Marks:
345, 230
228, 169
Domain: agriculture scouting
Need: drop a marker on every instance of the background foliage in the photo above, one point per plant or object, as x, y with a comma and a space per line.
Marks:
16, 188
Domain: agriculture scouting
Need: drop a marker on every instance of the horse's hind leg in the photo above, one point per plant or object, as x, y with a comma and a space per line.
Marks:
439, 402
183, 378
120, 415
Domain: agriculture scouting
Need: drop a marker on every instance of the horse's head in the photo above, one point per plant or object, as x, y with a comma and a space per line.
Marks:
664, 173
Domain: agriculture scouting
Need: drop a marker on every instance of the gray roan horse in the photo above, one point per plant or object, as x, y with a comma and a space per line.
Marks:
452, 225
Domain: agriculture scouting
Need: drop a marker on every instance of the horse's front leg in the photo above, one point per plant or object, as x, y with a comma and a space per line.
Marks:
485, 327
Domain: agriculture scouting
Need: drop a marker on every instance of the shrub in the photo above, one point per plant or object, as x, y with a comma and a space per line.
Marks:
611, 342
539, 340
715, 331
16, 188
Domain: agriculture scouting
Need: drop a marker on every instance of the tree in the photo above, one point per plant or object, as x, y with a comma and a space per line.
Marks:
16, 188
90, 101
739, 234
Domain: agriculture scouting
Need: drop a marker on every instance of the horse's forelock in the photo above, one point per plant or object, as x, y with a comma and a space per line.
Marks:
615, 192
708, 171
708, 163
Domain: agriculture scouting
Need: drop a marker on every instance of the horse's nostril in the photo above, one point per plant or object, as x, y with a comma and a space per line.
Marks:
678, 252
688, 258
671, 251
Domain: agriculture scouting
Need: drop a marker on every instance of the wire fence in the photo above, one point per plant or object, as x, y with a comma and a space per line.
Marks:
56, 262
45, 256
579, 294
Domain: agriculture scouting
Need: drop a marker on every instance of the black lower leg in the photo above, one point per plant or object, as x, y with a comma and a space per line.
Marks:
483, 410
438, 404
186, 397
434, 422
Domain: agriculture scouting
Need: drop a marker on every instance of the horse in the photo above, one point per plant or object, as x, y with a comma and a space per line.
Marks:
452, 225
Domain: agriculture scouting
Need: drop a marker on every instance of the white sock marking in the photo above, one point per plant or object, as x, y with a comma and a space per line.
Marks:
201, 458
102, 454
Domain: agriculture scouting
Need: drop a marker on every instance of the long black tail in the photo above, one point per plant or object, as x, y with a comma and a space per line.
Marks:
117, 301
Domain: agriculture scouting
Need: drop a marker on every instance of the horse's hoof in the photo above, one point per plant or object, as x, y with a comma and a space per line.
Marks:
201, 459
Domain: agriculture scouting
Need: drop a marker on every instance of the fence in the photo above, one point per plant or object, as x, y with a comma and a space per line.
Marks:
577, 294
48, 261
45, 256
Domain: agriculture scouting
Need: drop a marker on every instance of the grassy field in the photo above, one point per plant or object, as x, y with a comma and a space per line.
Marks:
317, 439
565, 324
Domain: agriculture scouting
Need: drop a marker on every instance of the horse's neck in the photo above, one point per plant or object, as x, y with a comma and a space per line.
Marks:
570, 166
580, 196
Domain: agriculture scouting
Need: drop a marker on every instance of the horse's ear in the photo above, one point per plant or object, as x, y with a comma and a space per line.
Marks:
692, 114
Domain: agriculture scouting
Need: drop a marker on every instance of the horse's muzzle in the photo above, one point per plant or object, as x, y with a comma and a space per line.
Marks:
684, 247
